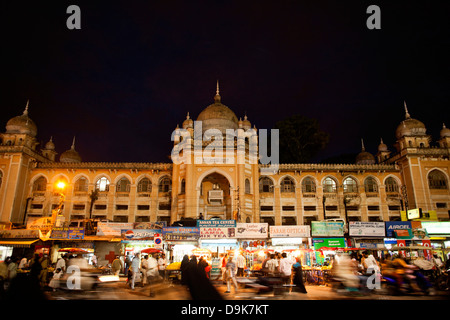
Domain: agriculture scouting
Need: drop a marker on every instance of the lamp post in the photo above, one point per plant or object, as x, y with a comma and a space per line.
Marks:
57, 216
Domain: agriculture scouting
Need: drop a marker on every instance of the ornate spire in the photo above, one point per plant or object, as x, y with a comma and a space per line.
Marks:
407, 115
73, 144
25, 112
217, 96
362, 145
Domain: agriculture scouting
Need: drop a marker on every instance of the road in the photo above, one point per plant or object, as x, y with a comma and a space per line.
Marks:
168, 291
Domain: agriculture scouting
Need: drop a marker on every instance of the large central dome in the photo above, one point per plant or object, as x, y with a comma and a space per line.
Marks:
218, 116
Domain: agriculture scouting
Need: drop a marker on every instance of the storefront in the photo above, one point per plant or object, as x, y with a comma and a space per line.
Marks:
180, 241
368, 235
19, 242
219, 236
135, 240
252, 240
327, 236
439, 233
293, 240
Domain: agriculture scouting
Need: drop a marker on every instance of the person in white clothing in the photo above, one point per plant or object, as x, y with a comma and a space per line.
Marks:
240, 265
286, 268
162, 264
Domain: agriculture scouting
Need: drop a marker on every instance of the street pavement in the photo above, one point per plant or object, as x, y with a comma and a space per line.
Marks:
169, 291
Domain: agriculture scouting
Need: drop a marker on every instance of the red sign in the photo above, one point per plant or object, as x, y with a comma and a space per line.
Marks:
427, 253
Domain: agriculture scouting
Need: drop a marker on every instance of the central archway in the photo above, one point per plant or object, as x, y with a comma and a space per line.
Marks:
215, 193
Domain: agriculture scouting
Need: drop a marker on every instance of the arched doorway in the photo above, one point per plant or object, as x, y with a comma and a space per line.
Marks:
215, 197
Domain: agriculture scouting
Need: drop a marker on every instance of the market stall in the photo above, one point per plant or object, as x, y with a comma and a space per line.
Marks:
180, 241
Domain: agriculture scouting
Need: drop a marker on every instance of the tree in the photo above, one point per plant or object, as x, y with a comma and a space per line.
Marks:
300, 139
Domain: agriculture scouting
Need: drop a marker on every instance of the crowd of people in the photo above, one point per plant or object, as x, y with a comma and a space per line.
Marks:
365, 271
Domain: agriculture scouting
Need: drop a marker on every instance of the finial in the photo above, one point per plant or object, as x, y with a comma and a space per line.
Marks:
443, 126
407, 116
25, 112
362, 145
217, 96
73, 144
381, 141
187, 117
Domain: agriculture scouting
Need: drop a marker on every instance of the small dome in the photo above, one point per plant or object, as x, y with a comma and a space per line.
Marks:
246, 124
50, 145
22, 124
218, 116
445, 132
364, 157
70, 155
410, 127
382, 146
188, 123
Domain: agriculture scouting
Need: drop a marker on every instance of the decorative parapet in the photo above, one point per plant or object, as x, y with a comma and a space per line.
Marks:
105, 165
334, 167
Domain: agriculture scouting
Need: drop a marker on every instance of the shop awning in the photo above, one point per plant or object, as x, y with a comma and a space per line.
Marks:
17, 243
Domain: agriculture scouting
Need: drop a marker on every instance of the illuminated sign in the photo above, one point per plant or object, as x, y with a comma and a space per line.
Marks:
414, 213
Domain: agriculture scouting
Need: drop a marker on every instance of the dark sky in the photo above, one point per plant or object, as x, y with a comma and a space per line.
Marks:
124, 81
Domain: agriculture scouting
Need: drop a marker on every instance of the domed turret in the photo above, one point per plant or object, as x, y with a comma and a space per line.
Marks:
22, 124
410, 127
50, 145
70, 155
364, 157
246, 124
445, 132
382, 146
188, 123
218, 116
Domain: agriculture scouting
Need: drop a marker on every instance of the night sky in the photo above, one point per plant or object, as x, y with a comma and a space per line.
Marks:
124, 81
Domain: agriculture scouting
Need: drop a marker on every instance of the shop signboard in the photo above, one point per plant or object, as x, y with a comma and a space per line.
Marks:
366, 229
289, 231
392, 226
216, 223
328, 243
327, 229
113, 228
217, 233
149, 225
181, 233
433, 227
72, 233
139, 234
44, 224
252, 230
19, 234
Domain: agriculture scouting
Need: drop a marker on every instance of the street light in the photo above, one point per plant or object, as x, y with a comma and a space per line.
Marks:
57, 216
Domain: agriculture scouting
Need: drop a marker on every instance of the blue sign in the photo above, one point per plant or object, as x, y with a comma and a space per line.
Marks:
391, 226
216, 223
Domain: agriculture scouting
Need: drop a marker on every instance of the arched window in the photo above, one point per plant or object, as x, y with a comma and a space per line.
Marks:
102, 184
165, 185
329, 185
81, 185
391, 185
145, 185
183, 186
247, 186
287, 185
265, 184
370, 185
350, 185
437, 180
40, 184
123, 185
308, 185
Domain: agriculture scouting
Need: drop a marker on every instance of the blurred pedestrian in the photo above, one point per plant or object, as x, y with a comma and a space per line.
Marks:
35, 267
54, 282
134, 267
128, 259
223, 264
61, 263
183, 266
202, 265
272, 265
45, 264
298, 276
116, 266
3, 277
199, 285
23, 263
231, 276
286, 268
240, 265
162, 264
12, 268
